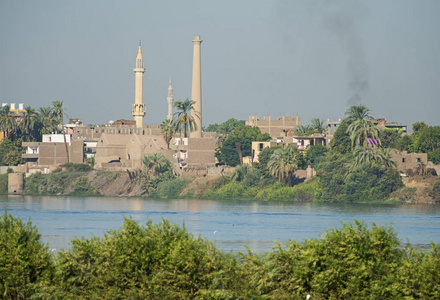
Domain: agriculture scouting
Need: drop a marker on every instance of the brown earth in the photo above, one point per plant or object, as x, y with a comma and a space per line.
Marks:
419, 186
115, 184
199, 185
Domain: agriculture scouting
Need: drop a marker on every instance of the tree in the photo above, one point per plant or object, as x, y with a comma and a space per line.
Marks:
317, 124
389, 138
302, 129
358, 112
184, 117
223, 130
284, 162
167, 129
315, 153
24, 260
361, 130
58, 114
29, 123
371, 182
264, 158
10, 154
242, 136
341, 142
46, 123
7, 121
157, 163
226, 127
368, 156
364, 133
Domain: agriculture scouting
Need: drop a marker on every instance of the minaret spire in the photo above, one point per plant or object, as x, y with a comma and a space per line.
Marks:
170, 100
196, 89
138, 109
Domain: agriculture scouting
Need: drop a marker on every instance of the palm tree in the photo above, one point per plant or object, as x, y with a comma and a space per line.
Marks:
45, 121
302, 129
156, 162
7, 121
167, 129
184, 117
358, 112
29, 122
361, 130
317, 124
283, 163
58, 113
372, 155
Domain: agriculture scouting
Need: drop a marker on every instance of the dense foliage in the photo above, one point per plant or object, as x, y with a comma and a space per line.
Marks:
10, 153
165, 261
239, 141
226, 127
25, 262
59, 182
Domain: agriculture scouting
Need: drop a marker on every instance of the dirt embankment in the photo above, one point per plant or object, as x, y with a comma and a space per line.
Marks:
115, 184
419, 185
199, 185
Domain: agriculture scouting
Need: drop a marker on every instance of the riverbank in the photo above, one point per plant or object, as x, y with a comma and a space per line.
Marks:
94, 183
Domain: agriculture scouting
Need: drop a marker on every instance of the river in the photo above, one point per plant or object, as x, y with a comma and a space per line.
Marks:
228, 224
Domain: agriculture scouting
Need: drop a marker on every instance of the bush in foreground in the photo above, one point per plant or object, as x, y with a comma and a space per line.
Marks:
164, 261
25, 262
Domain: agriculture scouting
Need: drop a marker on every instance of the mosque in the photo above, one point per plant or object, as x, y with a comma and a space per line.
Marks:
121, 145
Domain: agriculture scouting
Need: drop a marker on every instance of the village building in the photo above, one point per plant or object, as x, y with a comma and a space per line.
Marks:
51, 151
274, 127
411, 162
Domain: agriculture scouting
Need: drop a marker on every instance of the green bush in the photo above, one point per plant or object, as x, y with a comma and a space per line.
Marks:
77, 167
152, 262
348, 263
228, 191
170, 188
165, 261
24, 261
4, 183
82, 187
35, 183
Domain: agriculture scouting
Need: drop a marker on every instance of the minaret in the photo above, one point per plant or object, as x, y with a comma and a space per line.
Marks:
170, 100
196, 90
138, 109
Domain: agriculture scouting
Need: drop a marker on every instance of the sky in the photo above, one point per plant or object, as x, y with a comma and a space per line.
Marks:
309, 58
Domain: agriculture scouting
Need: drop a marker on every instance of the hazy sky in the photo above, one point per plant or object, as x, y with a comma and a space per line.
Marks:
310, 58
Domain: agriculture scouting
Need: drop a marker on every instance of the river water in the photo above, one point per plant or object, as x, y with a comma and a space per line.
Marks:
228, 224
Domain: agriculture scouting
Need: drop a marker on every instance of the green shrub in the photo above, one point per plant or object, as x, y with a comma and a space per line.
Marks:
348, 263
77, 167
165, 261
24, 260
35, 183
434, 191
4, 183
82, 187
228, 191
169, 188
152, 262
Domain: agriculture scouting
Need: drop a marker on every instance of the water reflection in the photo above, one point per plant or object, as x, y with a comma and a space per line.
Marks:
228, 224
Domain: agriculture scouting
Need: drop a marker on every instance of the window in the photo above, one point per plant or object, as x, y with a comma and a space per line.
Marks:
418, 159
403, 159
